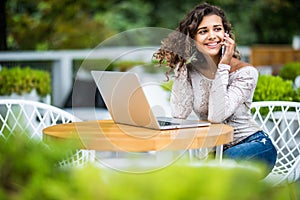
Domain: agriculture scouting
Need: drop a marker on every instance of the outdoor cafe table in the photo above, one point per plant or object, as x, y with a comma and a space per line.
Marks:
105, 135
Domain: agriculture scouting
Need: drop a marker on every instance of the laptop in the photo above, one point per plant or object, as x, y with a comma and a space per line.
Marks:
126, 101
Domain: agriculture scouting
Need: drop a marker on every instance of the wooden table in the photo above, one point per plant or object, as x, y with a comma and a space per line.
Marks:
105, 135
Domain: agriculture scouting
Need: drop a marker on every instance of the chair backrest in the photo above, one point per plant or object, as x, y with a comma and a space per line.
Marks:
281, 120
29, 117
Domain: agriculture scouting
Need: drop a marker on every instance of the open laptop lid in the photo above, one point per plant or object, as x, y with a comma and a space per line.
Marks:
125, 98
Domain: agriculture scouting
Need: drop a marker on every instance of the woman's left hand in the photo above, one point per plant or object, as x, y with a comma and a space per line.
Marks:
229, 44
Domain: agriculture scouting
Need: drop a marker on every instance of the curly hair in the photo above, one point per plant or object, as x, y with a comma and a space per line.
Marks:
179, 48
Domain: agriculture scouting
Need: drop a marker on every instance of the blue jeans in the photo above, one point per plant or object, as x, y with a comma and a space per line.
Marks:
257, 147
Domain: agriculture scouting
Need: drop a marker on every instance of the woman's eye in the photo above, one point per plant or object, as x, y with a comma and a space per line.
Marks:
202, 32
218, 29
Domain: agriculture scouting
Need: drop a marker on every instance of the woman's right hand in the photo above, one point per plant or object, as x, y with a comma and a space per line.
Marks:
229, 44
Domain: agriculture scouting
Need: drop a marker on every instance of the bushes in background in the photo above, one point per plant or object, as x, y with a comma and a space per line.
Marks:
28, 170
23, 80
274, 88
290, 71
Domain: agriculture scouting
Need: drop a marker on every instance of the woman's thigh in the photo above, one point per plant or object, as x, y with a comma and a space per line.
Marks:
259, 147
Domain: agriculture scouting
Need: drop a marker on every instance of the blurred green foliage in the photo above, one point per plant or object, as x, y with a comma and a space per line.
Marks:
28, 170
274, 88
126, 64
23, 80
263, 21
290, 71
42, 25
167, 86
194, 182
93, 64
59, 24
126, 15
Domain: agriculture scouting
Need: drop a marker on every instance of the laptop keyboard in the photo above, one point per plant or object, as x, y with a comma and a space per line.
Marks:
166, 123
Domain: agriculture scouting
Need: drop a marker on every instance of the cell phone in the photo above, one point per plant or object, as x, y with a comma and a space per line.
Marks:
223, 48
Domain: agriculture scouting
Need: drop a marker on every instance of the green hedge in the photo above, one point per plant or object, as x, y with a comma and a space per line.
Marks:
290, 71
274, 88
24, 80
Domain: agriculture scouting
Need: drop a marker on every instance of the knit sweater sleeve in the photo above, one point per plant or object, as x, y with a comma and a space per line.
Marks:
182, 96
226, 97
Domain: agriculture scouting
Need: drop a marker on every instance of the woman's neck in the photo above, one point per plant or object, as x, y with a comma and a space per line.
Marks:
216, 59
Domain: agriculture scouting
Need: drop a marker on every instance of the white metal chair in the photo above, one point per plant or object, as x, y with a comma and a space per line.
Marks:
281, 120
28, 117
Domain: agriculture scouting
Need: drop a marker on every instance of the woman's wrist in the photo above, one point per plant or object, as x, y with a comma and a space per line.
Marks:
223, 67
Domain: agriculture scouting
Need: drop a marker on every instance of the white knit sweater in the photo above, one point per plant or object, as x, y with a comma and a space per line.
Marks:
226, 99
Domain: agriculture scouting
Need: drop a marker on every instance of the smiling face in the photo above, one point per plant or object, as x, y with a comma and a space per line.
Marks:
210, 34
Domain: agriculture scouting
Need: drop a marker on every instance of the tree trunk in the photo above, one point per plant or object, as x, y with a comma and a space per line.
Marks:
3, 35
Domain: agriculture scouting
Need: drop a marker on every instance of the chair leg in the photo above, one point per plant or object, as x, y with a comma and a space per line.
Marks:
219, 153
199, 154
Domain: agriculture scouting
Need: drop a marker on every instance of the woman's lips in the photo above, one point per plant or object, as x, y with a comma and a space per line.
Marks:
212, 45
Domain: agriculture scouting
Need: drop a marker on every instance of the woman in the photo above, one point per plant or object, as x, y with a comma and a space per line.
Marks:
213, 81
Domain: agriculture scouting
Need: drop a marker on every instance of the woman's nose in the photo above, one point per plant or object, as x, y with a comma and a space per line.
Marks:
211, 35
